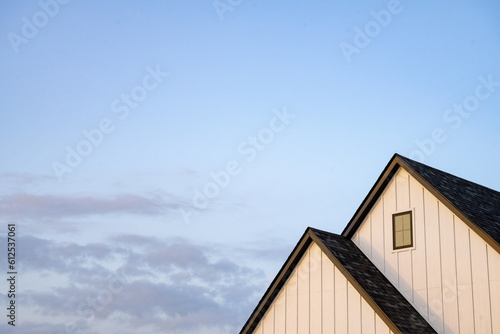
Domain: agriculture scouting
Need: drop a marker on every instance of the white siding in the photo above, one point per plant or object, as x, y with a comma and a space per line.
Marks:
304, 289
269, 321
451, 276
280, 314
291, 304
419, 258
318, 299
433, 261
494, 269
391, 259
328, 294
316, 276
340, 315
480, 285
464, 279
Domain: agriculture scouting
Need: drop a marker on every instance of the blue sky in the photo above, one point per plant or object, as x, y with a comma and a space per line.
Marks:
162, 158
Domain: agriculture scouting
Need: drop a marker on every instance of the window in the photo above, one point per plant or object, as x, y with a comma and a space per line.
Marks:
402, 230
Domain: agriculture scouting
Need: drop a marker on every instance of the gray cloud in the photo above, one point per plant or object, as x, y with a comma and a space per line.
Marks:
165, 285
24, 205
29, 327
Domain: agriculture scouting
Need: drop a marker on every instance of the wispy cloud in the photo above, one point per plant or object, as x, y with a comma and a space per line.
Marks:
25, 178
24, 205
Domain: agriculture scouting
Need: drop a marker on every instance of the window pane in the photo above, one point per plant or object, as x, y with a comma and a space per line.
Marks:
406, 222
399, 223
407, 237
399, 239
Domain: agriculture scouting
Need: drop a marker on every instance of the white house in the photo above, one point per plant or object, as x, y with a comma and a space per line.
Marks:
420, 255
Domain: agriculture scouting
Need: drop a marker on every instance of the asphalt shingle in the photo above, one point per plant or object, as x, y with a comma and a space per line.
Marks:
480, 204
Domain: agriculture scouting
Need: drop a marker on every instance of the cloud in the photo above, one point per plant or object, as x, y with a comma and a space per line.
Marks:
24, 205
25, 178
132, 281
80, 263
189, 172
30, 327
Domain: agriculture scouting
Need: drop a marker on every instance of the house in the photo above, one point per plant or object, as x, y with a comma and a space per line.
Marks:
420, 255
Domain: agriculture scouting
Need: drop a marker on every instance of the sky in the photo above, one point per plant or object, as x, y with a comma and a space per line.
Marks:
161, 159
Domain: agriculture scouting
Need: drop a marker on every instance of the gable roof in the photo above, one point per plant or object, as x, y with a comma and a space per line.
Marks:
476, 205
383, 297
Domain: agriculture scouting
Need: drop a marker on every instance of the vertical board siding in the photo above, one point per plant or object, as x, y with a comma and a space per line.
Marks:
353, 310
451, 276
380, 327
268, 326
405, 277
419, 255
364, 236
367, 318
406, 274
318, 299
340, 302
279, 313
433, 242
315, 275
494, 268
303, 296
377, 242
480, 285
391, 258
402, 191
291, 304
464, 279
328, 300
448, 270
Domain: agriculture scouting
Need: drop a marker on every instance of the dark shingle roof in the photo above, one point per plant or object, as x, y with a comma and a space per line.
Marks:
375, 284
480, 204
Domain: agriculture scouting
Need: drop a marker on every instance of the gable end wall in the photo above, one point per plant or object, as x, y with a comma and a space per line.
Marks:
451, 275
318, 298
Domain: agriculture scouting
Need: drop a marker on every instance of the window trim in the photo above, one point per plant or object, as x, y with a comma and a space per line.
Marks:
412, 231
